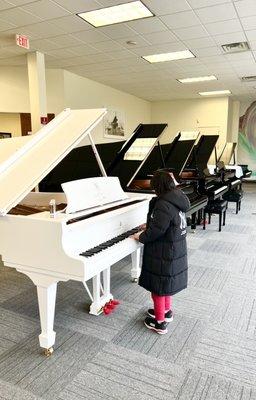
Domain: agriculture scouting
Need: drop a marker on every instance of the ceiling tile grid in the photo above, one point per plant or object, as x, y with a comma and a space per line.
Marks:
107, 55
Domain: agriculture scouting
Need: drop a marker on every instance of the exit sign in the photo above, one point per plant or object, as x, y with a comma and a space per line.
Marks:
22, 41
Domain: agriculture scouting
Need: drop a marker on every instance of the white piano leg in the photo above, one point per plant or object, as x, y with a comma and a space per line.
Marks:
46, 294
135, 271
46, 301
99, 300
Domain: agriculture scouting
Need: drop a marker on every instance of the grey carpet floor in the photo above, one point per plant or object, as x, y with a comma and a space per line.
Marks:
209, 352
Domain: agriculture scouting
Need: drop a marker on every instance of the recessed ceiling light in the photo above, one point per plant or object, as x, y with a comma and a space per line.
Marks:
215, 93
176, 55
116, 14
198, 79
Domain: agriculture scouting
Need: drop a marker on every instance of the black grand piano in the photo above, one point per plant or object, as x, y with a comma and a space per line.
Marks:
173, 157
196, 169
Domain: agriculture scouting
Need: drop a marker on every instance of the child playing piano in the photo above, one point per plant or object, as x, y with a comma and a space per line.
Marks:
164, 266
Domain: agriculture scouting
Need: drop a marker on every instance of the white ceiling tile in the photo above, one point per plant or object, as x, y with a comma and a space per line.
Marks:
218, 28
60, 53
117, 31
140, 42
208, 51
158, 49
92, 36
147, 25
5, 25
84, 50
221, 12
241, 57
38, 31
230, 38
71, 23
192, 32
77, 6
249, 22
245, 8
18, 17
160, 37
43, 45
108, 45
19, 2
251, 35
4, 5
181, 20
206, 3
45, 9
199, 43
121, 54
164, 7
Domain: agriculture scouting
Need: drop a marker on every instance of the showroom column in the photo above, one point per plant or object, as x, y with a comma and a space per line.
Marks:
37, 90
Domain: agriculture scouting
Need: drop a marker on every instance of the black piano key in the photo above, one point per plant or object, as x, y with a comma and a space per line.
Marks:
108, 243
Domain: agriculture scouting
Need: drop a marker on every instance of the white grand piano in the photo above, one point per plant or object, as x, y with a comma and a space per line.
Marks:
86, 234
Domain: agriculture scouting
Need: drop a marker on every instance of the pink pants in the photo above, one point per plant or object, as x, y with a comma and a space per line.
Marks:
161, 305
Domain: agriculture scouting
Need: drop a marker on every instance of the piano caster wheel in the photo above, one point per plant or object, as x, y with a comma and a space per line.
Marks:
48, 352
135, 280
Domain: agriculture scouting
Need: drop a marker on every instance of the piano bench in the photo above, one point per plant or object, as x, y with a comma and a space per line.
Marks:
216, 207
234, 196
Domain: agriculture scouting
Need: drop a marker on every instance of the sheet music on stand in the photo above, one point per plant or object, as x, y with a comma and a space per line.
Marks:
139, 149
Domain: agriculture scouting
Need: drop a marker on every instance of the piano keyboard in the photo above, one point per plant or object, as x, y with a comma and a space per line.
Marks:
105, 245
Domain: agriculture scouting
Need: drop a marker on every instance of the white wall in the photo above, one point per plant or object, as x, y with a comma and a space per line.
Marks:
84, 93
10, 122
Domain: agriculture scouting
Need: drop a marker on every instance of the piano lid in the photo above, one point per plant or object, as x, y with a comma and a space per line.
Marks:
135, 152
202, 152
29, 159
227, 153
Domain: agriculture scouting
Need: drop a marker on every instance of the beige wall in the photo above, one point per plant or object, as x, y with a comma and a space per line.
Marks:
85, 93
209, 116
10, 122
15, 94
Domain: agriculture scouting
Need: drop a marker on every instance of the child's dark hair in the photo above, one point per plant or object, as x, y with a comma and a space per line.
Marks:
162, 182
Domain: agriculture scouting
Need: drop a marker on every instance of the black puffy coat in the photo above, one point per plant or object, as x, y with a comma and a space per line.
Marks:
164, 267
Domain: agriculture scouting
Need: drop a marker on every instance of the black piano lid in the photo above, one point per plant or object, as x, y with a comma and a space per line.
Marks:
202, 152
178, 156
126, 169
175, 156
80, 163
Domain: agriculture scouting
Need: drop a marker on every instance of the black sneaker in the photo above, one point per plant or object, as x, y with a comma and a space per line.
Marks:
160, 328
168, 315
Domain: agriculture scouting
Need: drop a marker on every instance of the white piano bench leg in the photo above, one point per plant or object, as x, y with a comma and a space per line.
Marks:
135, 271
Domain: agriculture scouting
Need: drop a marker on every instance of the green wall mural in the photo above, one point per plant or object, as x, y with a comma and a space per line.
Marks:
247, 139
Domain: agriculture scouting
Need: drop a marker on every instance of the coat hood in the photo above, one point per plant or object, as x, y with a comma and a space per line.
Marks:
177, 198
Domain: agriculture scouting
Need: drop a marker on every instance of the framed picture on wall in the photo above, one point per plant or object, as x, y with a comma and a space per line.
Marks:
4, 135
114, 124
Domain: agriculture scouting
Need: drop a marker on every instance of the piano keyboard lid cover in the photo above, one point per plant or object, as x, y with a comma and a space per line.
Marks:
24, 162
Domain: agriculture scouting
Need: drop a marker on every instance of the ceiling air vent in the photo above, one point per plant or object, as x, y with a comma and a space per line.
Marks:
248, 78
235, 47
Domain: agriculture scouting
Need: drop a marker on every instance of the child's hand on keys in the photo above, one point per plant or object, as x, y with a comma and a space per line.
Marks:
143, 227
136, 235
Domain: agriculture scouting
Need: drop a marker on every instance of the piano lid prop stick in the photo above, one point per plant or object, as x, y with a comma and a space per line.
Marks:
97, 156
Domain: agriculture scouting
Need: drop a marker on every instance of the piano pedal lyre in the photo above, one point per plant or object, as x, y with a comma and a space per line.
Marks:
48, 352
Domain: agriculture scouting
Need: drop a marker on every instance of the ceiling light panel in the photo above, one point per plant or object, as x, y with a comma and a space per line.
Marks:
215, 93
174, 56
198, 79
116, 14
